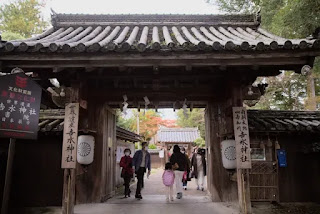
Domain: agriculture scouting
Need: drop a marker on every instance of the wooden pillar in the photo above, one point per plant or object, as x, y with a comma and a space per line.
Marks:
244, 191
219, 126
242, 174
7, 184
69, 183
69, 177
189, 152
221, 187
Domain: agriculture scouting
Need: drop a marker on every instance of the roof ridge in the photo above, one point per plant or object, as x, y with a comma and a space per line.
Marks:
251, 19
180, 129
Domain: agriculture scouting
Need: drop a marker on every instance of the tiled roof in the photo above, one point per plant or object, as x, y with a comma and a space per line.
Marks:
52, 121
284, 121
178, 135
127, 135
141, 33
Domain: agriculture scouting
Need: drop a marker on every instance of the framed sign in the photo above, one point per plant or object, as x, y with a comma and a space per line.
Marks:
20, 99
258, 154
161, 153
70, 136
282, 157
241, 134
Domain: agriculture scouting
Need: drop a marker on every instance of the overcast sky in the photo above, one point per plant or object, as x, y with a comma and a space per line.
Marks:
129, 6
132, 6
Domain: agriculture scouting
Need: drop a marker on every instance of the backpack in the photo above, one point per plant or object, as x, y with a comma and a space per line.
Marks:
168, 178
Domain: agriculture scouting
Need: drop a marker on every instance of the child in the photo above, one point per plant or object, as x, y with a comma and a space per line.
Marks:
168, 180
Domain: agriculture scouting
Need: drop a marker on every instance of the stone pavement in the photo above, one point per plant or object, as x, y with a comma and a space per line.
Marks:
193, 201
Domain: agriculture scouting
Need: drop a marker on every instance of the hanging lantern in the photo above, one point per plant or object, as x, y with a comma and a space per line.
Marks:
269, 143
228, 150
277, 145
85, 149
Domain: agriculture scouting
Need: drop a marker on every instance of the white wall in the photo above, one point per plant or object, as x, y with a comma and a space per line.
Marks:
122, 144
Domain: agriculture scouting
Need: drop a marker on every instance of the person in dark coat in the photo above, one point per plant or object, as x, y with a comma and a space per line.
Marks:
199, 166
179, 163
186, 179
127, 171
141, 162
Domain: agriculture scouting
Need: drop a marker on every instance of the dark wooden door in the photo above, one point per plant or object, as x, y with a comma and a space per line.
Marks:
264, 181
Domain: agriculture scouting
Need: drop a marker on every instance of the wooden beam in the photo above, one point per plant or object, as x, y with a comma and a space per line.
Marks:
158, 56
57, 69
115, 83
282, 63
161, 104
223, 67
122, 68
90, 69
188, 68
135, 82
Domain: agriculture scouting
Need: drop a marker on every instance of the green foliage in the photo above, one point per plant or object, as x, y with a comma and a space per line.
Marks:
296, 18
152, 146
285, 92
7, 36
200, 142
22, 17
235, 6
149, 123
289, 19
126, 123
192, 119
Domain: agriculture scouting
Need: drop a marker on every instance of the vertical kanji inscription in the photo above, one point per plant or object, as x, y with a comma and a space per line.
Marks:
70, 136
241, 133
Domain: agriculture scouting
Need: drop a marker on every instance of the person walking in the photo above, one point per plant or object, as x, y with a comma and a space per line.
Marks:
127, 171
179, 163
199, 166
186, 178
141, 161
168, 180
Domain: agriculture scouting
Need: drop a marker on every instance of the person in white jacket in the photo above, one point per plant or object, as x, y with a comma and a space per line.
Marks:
199, 167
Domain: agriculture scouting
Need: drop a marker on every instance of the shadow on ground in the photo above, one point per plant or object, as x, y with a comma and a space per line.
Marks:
291, 208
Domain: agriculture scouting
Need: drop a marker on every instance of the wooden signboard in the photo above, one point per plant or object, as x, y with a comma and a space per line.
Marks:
241, 133
20, 99
70, 136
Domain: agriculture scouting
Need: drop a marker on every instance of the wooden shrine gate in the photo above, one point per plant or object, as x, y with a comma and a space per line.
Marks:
202, 61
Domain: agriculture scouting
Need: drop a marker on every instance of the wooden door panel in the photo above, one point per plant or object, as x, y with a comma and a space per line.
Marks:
264, 181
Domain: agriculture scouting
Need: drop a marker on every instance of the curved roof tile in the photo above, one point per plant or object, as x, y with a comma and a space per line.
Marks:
80, 33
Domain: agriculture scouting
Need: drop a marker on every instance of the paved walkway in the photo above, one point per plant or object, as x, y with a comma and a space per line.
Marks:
193, 201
